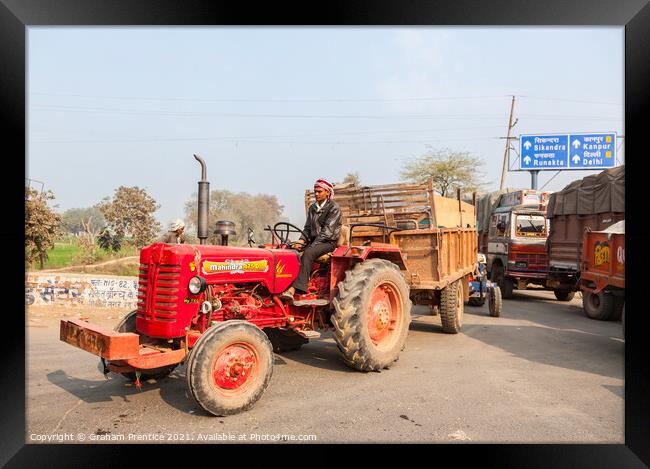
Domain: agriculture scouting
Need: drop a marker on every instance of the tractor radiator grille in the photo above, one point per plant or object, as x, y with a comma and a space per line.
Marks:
158, 291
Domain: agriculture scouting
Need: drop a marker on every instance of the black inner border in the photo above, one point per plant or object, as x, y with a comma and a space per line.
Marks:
634, 15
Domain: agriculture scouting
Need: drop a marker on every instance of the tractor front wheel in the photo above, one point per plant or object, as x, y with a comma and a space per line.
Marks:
372, 315
495, 302
230, 367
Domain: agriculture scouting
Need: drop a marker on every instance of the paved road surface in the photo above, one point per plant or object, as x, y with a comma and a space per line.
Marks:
542, 372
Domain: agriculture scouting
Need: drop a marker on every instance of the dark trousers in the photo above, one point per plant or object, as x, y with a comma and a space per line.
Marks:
309, 255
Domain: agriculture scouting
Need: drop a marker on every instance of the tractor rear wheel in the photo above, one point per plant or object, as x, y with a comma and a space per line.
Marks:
495, 302
452, 307
284, 340
127, 324
598, 306
564, 295
230, 367
372, 315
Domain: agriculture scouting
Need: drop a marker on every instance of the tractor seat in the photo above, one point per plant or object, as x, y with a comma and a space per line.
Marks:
342, 241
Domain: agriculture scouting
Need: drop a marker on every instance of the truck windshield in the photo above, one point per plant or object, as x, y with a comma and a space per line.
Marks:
531, 225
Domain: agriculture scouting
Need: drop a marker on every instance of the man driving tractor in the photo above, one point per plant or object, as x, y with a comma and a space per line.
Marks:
323, 227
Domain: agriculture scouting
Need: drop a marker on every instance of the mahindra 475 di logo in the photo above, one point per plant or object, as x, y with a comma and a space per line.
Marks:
601, 253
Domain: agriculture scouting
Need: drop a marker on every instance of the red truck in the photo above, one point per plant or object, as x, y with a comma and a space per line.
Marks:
602, 272
512, 228
592, 204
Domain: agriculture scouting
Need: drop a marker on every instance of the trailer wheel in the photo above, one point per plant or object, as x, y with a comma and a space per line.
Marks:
564, 295
598, 306
230, 367
284, 340
452, 307
495, 302
372, 315
127, 324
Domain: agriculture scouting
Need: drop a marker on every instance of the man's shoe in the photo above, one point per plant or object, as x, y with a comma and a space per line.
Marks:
287, 295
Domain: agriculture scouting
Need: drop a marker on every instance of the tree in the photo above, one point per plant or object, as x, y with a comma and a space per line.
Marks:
245, 210
42, 225
350, 179
130, 212
450, 170
74, 219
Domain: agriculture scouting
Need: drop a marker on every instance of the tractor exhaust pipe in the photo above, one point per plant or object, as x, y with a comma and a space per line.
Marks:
204, 202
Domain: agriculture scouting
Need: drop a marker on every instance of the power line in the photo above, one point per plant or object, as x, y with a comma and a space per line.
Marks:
314, 100
167, 113
294, 142
271, 100
248, 137
569, 100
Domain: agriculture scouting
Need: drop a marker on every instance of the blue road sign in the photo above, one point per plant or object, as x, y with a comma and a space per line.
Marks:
567, 151
592, 150
544, 152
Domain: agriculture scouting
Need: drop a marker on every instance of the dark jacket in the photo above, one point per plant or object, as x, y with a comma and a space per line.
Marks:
325, 226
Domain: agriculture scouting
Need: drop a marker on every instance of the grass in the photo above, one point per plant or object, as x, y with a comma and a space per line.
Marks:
65, 251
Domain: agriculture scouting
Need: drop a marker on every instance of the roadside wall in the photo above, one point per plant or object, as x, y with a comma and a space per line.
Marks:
69, 289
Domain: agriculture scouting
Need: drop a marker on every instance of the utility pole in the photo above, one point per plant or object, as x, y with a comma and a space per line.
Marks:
506, 152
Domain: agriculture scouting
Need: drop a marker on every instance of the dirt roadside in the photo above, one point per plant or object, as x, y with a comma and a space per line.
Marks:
46, 315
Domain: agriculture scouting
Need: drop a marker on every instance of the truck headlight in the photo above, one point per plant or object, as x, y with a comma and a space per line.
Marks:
197, 285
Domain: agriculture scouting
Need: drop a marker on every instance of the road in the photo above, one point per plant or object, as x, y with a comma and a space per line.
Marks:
541, 373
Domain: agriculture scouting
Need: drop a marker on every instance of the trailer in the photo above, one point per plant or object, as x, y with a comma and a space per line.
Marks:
436, 237
602, 272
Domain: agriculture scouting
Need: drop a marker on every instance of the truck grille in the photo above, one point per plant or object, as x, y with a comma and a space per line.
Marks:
158, 291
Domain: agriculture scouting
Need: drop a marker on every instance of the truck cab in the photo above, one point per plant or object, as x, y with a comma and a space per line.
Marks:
515, 241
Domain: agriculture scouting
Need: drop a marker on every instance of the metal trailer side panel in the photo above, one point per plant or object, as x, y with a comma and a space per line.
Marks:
603, 260
564, 244
435, 258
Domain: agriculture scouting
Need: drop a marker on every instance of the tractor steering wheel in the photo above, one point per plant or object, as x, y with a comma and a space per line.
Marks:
282, 230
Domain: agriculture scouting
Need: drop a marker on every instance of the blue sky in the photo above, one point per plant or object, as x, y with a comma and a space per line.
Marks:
272, 109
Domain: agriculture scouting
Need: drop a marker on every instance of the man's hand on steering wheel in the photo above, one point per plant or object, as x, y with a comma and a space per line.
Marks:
282, 229
299, 245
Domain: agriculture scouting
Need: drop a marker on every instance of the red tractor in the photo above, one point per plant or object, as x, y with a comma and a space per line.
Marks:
218, 309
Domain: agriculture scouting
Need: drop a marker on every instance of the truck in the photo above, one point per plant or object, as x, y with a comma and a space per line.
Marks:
217, 309
591, 204
512, 229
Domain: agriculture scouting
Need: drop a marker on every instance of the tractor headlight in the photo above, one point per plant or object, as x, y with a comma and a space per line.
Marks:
197, 285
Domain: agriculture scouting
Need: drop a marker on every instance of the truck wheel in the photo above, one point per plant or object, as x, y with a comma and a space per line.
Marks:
230, 367
564, 295
598, 306
127, 324
372, 315
505, 283
452, 307
284, 340
495, 302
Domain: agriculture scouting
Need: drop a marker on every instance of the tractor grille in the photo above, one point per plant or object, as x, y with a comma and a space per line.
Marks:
158, 291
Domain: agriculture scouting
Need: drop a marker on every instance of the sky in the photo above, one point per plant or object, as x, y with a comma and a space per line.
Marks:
272, 109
